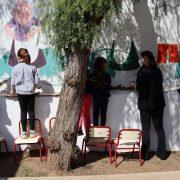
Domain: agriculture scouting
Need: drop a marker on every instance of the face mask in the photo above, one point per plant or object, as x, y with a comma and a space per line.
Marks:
141, 62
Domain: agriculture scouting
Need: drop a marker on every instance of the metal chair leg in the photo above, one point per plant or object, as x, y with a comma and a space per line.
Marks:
83, 146
85, 154
15, 153
46, 153
115, 158
132, 155
106, 148
40, 153
43, 144
140, 160
20, 148
110, 152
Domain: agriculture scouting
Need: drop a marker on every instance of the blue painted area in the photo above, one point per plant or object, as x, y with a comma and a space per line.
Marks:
4, 66
177, 75
52, 66
111, 71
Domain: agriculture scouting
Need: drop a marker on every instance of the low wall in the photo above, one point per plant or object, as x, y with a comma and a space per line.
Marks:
122, 113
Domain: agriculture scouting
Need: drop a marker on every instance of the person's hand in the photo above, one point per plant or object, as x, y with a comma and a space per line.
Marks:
133, 85
38, 86
11, 93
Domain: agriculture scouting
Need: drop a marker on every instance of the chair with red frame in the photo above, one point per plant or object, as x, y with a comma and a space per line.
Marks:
51, 124
129, 140
29, 141
98, 136
3, 141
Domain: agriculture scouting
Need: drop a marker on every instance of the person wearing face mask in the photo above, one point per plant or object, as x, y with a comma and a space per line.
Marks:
151, 103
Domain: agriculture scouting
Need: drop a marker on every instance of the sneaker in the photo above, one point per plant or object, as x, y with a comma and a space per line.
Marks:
33, 134
24, 135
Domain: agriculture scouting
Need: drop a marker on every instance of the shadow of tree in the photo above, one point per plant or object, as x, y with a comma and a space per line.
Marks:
91, 157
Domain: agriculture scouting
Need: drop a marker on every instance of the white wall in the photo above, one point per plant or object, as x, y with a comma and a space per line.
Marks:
122, 113
138, 23
45, 108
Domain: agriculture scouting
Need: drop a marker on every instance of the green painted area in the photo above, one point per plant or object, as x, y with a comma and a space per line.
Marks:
5, 69
177, 75
106, 52
131, 63
52, 66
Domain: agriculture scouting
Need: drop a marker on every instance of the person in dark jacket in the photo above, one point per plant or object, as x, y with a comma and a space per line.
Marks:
101, 85
151, 104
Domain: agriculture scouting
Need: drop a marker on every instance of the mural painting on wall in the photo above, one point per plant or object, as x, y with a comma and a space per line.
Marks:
168, 59
131, 62
123, 69
20, 27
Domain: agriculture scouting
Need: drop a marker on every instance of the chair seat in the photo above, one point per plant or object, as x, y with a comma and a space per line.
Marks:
126, 144
2, 138
96, 140
28, 140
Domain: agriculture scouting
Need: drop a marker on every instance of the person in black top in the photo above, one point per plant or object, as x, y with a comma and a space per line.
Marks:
101, 87
151, 104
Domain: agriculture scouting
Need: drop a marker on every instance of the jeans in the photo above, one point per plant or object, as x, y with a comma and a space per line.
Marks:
157, 118
100, 108
26, 103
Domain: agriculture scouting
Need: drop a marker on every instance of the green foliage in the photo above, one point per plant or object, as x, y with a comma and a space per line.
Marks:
72, 24
69, 24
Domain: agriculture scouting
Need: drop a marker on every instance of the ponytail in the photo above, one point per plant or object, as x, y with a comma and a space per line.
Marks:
24, 55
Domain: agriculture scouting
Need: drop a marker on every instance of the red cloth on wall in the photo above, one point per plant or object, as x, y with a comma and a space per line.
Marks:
164, 50
173, 53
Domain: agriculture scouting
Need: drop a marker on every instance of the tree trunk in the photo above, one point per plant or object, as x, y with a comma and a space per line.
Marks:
62, 138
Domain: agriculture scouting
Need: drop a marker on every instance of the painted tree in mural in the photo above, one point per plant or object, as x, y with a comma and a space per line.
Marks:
71, 26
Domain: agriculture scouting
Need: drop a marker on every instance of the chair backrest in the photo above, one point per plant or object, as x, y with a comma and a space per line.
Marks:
38, 128
99, 132
130, 135
51, 123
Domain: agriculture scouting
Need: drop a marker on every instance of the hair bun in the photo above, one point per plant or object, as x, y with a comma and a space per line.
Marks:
24, 55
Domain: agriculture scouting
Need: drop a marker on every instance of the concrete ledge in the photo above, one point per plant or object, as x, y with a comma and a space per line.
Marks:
168, 175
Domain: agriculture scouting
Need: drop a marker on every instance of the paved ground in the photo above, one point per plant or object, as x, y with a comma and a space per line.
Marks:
170, 175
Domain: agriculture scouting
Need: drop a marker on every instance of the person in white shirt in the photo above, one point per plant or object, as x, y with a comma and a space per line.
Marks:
24, 78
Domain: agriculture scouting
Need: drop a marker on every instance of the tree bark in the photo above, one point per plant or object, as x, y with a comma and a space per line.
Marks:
62, 138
